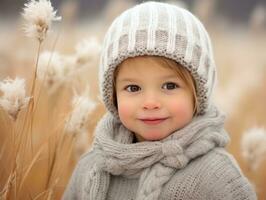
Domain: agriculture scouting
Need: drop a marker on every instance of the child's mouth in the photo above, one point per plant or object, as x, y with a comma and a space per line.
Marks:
153, 121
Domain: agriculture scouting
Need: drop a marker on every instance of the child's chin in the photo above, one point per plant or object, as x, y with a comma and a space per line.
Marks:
153, 136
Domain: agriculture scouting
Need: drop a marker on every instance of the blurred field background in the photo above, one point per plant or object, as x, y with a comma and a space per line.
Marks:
238, 32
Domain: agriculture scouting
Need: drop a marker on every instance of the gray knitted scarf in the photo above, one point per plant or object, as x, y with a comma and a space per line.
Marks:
154, 162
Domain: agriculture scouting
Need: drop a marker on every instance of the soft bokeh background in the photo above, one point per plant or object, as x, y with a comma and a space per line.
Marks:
238, 32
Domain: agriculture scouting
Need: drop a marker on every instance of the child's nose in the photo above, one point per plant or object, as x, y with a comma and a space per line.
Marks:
151, 102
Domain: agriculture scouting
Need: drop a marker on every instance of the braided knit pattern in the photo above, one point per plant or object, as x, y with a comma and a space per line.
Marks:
152, 181
154, 163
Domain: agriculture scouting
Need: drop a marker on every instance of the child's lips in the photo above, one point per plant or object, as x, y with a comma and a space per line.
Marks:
153, 121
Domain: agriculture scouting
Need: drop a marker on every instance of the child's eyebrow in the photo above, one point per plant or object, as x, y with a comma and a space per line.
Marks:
172, 76
127, 80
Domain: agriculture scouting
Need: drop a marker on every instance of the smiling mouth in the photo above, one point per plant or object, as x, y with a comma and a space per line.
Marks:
154, 121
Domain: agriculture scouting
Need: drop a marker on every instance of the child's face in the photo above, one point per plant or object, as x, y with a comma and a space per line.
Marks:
152, 100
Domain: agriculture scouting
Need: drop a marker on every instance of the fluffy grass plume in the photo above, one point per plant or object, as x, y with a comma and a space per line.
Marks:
87, 50
253, 145
75, 126
14, 96
82, 107
52, 70
39, 16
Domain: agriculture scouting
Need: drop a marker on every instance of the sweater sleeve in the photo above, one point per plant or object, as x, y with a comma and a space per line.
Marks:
214, 176
230, 182
77, 181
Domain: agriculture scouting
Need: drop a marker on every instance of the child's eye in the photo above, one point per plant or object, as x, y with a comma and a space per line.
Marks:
132, 88
170, 86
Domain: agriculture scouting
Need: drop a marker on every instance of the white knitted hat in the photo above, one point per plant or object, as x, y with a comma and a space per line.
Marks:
158, 29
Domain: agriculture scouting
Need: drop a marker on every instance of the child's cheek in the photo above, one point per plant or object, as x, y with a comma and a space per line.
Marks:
123, 110
182, 109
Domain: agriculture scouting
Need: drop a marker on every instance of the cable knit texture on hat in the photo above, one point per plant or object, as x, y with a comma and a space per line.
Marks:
158, 29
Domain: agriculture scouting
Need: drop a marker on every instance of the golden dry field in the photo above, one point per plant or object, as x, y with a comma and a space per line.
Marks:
37, 150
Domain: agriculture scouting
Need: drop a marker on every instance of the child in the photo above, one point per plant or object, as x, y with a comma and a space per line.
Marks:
162, 137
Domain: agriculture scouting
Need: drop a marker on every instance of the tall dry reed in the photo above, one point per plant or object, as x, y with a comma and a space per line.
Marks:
37, 145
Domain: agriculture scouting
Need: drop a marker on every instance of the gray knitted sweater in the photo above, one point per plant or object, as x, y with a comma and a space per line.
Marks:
190, 164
